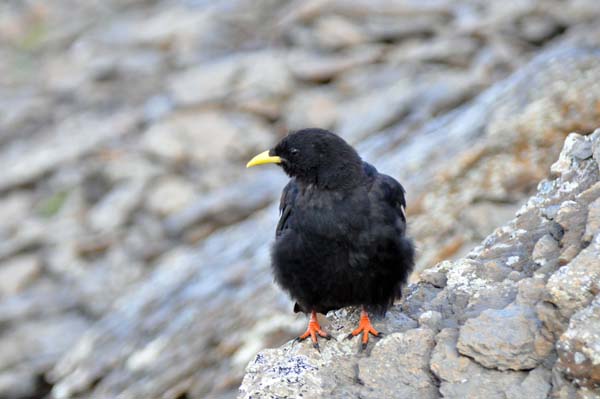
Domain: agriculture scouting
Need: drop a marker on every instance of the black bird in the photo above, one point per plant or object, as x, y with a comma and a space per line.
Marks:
340, 240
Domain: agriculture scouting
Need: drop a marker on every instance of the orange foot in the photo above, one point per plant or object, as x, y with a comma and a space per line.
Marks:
365, 327
313, 330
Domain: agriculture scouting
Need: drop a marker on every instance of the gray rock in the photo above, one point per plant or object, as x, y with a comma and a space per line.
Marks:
596, 146
431, 319
263, 84
480, 123
311, 108
18, 384
408, 378
437, 275
321, 67
115, 208
207, 137
582, 149
371, 111
255, 81
362, 116
574, 144
546, 252
484, 217
504, 339
17, 273
208, 82
562, 388
14, 208
453, 50
400, 27
41, 301
531, 291
302, 372
572, 218
29, 236
132, 167
177, 27
578, 348
589, 195
227, 205
461, 377
48, 338
536, 385
157, 107
64, 145
21, 109
592, 226
494, 296
336, 32
170, 195
572, 287
537, 29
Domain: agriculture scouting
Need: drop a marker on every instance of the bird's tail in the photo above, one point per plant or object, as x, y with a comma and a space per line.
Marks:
406, 266
401, 272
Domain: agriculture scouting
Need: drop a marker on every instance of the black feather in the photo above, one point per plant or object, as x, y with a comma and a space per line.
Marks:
340, 240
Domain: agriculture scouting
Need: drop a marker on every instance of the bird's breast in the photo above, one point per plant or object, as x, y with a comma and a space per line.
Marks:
331, 215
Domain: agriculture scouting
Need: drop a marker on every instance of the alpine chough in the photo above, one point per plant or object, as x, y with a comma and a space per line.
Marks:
340, 240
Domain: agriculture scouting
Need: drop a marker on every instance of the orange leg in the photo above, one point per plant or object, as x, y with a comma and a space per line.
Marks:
313, 330
365, 327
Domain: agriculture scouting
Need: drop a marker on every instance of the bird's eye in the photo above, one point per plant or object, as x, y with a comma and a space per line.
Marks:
294, 151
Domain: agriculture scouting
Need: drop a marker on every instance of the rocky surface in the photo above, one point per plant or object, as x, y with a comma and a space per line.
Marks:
134, 244
495, 324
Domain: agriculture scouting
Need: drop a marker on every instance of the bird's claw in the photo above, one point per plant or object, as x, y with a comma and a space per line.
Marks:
316, 346
314, 331
363, 345
365, 328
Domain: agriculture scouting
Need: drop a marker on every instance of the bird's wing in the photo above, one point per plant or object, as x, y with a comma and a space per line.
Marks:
393, 193
286, 204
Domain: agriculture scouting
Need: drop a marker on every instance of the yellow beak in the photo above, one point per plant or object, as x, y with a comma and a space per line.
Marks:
262, 159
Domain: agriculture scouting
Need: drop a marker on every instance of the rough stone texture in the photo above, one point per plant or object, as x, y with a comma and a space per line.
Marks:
337, 372
461, 377
574, 285
124, 130
511, 347
409, 378
579, 349
530, 332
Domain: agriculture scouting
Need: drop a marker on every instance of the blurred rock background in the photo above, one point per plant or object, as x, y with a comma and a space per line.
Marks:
134, 244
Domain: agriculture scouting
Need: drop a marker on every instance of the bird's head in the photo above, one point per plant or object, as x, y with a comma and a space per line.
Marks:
315, 156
